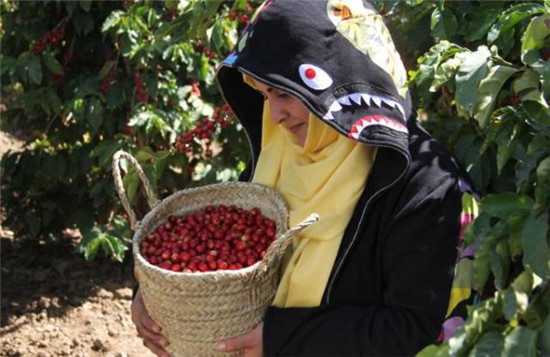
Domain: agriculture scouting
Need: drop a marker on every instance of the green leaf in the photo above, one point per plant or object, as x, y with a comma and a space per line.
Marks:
481, 269
473, 69
505, 42
104, 71
489, 88
89, 245
506, 146
511, 17
499, 260
97, 241
240, 4
52, 63
480, 320
94, 114
528, 81
536, 252
520, 342
523, 283
509, 304
443, 24
480, 23
543, 172
53, 101
535, 115
171, 4
434, 351
116, 248
490, 344
542, 189
538, 308
203, 15
535, 33
34, 69
116, 96
515, 224
112, 20
104, 152
504, 205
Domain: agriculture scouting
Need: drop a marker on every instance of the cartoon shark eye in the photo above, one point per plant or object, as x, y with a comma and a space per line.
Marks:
314, 77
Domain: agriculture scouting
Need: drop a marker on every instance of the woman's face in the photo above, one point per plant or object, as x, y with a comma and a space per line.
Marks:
286, 110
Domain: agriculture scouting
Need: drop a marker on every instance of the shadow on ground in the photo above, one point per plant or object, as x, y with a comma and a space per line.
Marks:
51, 279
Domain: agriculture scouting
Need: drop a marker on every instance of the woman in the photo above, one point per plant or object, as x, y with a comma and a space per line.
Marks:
337, 137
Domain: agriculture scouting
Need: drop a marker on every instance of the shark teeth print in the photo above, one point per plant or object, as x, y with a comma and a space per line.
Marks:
362, 99
370, 120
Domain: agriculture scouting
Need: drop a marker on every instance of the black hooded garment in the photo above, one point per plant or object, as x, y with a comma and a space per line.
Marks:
389, 287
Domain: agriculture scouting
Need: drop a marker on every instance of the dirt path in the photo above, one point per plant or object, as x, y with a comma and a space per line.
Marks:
56, 304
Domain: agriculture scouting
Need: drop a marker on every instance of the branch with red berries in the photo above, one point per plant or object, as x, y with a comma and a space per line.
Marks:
192, 143
52, 37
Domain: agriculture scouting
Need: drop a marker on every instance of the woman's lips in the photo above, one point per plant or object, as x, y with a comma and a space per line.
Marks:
296, 127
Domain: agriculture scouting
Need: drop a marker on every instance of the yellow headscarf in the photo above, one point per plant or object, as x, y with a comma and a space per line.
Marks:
327, 175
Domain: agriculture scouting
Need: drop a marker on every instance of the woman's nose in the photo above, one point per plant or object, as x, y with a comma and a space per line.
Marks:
278, 112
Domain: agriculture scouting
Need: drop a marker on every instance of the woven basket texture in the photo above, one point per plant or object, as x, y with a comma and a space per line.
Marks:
196, 310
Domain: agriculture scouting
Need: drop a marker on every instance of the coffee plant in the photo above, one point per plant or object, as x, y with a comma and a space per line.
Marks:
483, 88
85, 78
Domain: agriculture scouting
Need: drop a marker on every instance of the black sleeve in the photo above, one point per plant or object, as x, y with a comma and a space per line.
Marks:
418, 260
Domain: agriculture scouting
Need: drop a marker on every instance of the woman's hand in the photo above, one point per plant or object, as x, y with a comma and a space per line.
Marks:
251, 343
147, 329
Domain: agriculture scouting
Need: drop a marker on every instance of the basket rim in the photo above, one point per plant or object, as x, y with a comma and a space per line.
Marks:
230, 273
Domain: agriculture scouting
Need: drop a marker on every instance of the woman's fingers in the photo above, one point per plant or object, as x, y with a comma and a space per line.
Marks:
147, 321
250, 342
141, 317
146, 328
159, 351
149, 335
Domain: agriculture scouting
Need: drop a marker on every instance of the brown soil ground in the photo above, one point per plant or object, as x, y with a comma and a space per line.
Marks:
54, 303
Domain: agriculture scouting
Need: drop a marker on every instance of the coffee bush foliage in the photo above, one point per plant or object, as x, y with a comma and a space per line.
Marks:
481, 84
85, 78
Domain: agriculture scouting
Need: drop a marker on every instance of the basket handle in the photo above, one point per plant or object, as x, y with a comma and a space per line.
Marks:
152, 199
280, 245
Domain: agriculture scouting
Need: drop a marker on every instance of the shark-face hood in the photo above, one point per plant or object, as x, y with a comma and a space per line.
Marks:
337, 56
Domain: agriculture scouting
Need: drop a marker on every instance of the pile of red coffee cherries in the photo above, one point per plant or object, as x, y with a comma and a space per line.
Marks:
214, 238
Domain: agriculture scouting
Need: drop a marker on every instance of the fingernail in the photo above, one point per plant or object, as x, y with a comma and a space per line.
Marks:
221, 346
164, 342
156, 328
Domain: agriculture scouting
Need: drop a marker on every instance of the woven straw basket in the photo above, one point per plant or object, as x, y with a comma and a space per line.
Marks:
197, 310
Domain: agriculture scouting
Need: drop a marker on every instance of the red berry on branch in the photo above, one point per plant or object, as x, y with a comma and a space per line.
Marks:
195, 89
243, 19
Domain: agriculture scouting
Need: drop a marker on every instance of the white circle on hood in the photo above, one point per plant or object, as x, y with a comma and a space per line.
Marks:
314, 77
